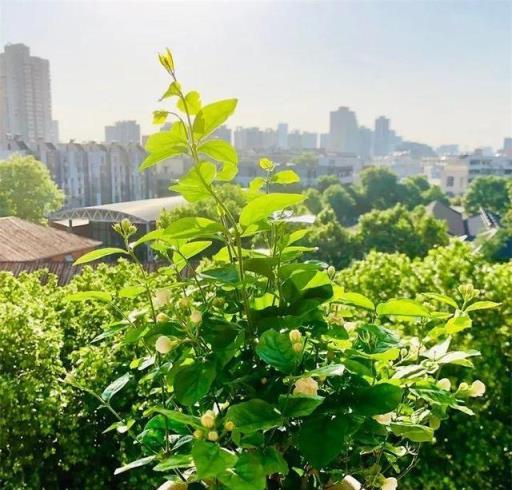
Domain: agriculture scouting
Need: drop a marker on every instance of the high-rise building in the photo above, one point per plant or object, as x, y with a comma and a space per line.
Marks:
343, 131
382, 137
282, 136
223, 133
309, 140
365, 142
324, 141
123, 132
295, 140
25, 95
507, 147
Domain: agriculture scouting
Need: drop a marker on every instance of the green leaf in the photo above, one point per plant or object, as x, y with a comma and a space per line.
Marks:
298, 405
219, 150
263, 206
85, 295
211, 460
402, 307
219, 332
188, 228
134, 464
211, 116
165, 144
175, 416
322, 438
99, 254
355, 299
413, 432
175, 461
192, 101
442, 298
173, 90
248, 474
285, 177
253, 415
194, 185
159, 117
378, 399
273, 461
438, 351
276, 349
228, 274
456, 357
481, 305
325, 371
193, 382
131, 291
187, 251
115, 387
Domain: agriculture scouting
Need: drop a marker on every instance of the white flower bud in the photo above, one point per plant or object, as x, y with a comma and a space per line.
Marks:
477, 389
297, 347
162, 318
213, 436
161, 298
164, 344
196, 317
331, 272
384, 419
295, 335
390, 484
229, 426
264, 381
444, 384
463, 387
198, 434
208, 419
306, 386
350, 483
184, 303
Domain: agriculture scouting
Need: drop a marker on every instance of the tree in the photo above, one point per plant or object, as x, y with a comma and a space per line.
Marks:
413, 233
326, 181
337, 197
489, 192
27, 189
380, 187
313, 200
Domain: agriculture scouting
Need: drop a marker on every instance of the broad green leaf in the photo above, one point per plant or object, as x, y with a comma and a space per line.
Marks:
175, 416
438, 351
456, 356
482, 305
85, 295
298, 406
187, 251
159, 117
173, 90
263, 206
211, 460
442, 298
218, 332
402, 307
273, 461
134, 464
227, 274
99, 254
297, 235
211, 116
188, 228
256, 184
253, 415
219, 150
457, 324
413, 432
326, 371
194, 185
131, 291
322, 438
115, 387
165, 144
192, 102
355, 299
378, 399
175, 461
248, 474
276, 349
285, 177
193, 382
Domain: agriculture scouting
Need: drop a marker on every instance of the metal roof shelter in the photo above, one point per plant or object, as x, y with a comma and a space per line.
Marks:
145, 211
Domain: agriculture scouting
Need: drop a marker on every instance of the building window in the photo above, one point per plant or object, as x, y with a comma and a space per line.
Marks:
449, 181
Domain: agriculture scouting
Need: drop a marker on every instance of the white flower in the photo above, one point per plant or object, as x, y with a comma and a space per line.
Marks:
161, 298
350, 483
208, 419
463, 387
306, 386
196, 317
229, 426
295, 336
444, 384
477, 388
384, 419
164, 344
213, 436
414, 345
390, 484
162, 318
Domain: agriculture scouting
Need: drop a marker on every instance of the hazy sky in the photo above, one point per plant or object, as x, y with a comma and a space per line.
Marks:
441, 70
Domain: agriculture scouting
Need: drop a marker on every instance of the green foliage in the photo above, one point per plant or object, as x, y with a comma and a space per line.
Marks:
341, 202
27, 189
490, 193
256, 379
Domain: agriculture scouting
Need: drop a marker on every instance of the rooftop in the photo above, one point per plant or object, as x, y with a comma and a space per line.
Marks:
23, 241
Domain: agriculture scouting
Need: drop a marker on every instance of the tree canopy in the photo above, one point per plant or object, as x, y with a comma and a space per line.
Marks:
488, 192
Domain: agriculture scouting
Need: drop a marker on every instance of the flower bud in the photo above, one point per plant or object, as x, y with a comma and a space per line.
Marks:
208, 419
162, 318
229, 426
390, 484
184, 303
196, 316
463, 387
331, 272
295, 336
161, 298
198, 434
434, 422
266, 164
350, 483
444, 384
218, 302
306, 386
213, 436
384, 419
164, 344
297, 347
125, 228
264, 381
477, 389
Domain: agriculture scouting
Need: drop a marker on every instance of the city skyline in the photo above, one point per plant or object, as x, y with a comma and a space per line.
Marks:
432, 80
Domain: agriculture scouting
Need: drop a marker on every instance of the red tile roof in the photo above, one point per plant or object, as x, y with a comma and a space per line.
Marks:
23, 241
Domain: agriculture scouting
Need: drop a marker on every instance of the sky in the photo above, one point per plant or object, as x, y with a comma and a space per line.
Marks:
441, 70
